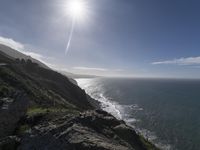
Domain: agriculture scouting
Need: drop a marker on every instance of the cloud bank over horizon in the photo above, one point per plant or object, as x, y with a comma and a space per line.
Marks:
90, 68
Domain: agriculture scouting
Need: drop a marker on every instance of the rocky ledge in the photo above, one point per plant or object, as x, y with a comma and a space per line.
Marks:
90, 130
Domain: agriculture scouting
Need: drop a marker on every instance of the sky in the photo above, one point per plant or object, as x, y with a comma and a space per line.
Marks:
131, 38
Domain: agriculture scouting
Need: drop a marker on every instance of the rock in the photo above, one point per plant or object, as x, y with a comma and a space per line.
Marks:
91, 130
9, 143
6, 101
12, 111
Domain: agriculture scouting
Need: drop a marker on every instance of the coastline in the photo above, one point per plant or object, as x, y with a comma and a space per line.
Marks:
42, 109
117, 111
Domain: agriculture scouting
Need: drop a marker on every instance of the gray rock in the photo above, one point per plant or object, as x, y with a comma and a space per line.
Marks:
9, 143
88, 131
11, 112
91, 130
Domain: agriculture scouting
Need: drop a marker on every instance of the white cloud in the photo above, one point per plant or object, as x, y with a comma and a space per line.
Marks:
11, 43
21, 48
97, 71
90, 69
118, 70
180, 61
34, 55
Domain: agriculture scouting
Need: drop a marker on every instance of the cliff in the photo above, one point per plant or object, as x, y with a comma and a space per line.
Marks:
41, 109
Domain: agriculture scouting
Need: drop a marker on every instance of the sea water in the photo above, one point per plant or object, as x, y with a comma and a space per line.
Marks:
164, 111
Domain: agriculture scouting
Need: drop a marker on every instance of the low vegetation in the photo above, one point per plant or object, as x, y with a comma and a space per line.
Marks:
44, 111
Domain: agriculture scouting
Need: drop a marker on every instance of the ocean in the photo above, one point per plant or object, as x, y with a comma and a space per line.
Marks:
164, 111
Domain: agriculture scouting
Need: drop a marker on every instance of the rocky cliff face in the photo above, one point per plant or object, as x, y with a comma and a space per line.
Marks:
41, 109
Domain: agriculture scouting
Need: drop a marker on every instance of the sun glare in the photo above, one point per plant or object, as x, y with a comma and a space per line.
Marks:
76, 9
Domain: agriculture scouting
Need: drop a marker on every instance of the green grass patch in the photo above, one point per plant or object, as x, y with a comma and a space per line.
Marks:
39, 110
36, 111
23, 129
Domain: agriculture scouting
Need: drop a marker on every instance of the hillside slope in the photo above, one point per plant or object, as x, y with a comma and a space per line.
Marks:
41, 109
16, 54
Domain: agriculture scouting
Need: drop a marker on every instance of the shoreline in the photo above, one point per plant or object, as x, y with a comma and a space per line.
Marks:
105, 104
42, 110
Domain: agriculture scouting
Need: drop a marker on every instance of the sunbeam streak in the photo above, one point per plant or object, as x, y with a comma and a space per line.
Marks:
70, 37
77, 10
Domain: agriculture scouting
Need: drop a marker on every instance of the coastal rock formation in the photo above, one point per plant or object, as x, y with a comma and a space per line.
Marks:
90, 130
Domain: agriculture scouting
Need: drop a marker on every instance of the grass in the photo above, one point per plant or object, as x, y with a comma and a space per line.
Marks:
39, 110
23, 128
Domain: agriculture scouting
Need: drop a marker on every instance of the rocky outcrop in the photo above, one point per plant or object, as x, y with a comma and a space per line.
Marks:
11, 110
9, 143
91, 130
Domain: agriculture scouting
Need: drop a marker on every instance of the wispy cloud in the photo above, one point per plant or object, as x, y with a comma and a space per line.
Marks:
11, 43
90, 69
196, 67
118, 70
35, 55
110, 72
180, 61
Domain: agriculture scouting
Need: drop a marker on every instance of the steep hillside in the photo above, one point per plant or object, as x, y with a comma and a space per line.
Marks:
16, 54
41, 109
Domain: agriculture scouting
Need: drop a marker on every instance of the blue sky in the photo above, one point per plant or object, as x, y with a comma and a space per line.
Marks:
143, 38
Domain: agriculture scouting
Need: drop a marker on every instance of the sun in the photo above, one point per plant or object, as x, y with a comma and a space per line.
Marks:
76, 9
